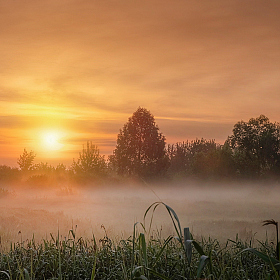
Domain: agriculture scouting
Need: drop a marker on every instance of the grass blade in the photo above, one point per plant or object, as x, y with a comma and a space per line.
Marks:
156, 204
264, 257
198, 248
188, 244
133, 250
202, 263
144, 248
162, 249
26, 274
95, 259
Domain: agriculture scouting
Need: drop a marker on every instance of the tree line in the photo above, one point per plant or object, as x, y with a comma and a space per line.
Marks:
251, 152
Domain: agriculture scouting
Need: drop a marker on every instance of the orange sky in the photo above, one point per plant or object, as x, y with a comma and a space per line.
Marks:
83, 67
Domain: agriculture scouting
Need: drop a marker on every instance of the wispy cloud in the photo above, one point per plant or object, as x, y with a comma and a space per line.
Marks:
85, 66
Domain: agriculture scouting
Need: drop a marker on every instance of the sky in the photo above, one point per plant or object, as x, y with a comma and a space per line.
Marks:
73, 71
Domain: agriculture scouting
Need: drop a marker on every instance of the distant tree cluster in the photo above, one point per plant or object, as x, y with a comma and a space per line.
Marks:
200, 158
251, 152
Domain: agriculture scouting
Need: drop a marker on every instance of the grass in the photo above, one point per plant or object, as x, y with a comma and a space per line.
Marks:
144, 255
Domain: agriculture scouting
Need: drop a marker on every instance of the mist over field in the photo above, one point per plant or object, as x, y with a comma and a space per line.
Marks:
209, 209
112, 110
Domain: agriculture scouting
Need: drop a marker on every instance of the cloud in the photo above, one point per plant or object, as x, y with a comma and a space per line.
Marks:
198, 66
14, 122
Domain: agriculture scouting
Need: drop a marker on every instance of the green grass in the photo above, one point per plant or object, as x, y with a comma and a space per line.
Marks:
144, 255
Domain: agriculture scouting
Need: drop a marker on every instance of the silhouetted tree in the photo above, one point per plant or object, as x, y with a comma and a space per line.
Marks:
60, 168
256, 146
200, 158
203, 157
43, 168
8, 173
43, 175
140, 147
178, 155
90, 162
226, 167
25, 160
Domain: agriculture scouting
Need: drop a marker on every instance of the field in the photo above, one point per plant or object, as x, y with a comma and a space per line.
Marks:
67, 232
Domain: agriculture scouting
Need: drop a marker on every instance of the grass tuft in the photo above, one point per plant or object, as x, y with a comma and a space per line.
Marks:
139, 257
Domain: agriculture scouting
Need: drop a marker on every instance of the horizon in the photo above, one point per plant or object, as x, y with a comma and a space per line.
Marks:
73, 72
50, 140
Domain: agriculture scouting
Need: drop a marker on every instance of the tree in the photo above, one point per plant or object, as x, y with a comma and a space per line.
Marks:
200, 158
140, 148
256, 146
43, 168
90, 162
203, 157
178, 155
8, 173
25, 160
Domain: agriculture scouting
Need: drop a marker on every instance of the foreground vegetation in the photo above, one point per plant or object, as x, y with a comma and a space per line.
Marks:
144, 255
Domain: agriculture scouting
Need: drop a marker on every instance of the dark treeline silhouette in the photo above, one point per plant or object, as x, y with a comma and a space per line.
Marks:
251, 152
200, 158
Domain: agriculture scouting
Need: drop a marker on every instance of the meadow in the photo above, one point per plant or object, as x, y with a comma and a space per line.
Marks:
67, 232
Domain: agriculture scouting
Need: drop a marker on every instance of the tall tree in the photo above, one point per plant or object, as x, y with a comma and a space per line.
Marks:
25, 160
256, 146
140, 147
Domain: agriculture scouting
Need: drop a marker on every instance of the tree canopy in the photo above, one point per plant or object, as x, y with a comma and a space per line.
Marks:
200, 158
90, 162
256, 145
140, 148
25, 160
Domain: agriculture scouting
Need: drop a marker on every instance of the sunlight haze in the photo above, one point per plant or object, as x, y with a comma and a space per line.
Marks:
83, 68
139, 139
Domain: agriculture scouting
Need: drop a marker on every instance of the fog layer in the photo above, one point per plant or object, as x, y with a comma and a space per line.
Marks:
219, 211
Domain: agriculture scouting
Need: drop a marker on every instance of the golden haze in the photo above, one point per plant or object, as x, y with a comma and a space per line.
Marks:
83, 67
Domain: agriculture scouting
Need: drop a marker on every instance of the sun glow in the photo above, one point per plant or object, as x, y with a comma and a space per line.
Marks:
52, 140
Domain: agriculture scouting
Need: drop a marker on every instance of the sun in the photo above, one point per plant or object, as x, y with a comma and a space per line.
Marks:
52, 140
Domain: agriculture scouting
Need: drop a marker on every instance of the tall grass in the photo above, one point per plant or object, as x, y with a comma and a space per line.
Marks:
144, 255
